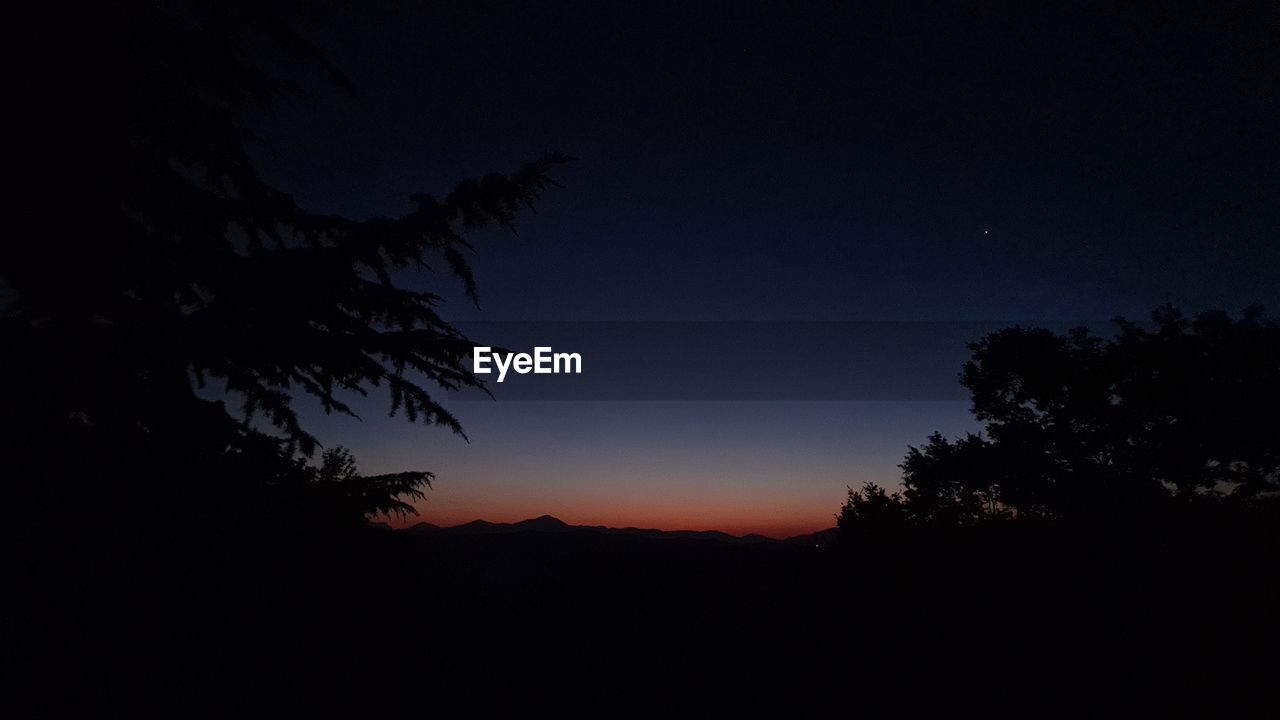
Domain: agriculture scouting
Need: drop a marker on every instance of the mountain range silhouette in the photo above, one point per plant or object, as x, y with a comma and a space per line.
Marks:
552, 524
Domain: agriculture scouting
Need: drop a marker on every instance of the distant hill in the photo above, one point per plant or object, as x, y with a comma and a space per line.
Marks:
820, 538
550, 524
545, 523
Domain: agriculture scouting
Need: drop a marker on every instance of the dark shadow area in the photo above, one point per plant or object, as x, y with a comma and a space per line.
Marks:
1002, 620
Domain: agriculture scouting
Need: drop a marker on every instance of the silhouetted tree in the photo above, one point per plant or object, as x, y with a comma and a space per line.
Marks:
953, 483
872, 511
334, 493
1183, 407
1196, 401
1078, 426
151, 259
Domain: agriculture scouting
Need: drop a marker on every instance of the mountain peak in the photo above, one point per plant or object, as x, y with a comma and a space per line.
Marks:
546, 522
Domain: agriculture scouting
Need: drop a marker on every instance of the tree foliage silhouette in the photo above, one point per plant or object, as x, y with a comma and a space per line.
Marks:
152, 259
334, 490
1081, 427
953, 483
871, 511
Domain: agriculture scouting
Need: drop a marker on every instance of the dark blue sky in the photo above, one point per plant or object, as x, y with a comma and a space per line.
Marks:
808, 161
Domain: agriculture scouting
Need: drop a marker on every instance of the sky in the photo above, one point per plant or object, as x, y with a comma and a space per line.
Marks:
974, 162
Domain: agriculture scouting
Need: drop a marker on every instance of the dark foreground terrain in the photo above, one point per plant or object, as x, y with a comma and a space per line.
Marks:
1028, 622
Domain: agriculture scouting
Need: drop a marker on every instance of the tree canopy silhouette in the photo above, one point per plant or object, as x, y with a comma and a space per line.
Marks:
1079, 426
151, 258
